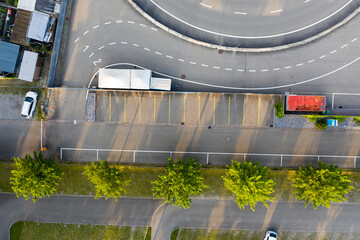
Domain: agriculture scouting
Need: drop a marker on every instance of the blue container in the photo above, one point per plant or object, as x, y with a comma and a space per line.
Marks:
332, 122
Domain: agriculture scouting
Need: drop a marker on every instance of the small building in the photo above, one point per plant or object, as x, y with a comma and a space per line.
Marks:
21, 26
28, 5
38, 26
28, 66
303, 103
9, 56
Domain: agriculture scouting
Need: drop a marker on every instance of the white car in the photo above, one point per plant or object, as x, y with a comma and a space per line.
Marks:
29, 105
270, 235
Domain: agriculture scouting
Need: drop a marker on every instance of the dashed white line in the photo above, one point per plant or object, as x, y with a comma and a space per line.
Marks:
252, 70
310, 61
203, 4
91, 55
299, 64
154, 29
343, 45
168, 56
276, 11
276, 69
240, 13
204, 65
107, 23
158, 53
119, 21
135, 45
101, 47
95, 27
85, 33
131, 22
239, 70
192, 62
265, 70
216, 67
228, 69
143, 25
76, 40
322, 56
333, 52
147, 49
124, 43
112, 43
288, 67
354, 40
181, 60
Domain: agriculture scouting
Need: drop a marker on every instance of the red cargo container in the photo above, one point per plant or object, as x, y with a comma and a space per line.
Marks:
305, 103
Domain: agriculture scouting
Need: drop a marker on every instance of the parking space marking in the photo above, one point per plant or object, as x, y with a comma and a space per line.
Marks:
139, 108
214, 112
154, 108
169, 107
124, 107
259, 111
184, 107
110, 107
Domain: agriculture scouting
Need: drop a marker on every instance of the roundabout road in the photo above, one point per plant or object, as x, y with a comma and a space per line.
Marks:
248, 24
115, 33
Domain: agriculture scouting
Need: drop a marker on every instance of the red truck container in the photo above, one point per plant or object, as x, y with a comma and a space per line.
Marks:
303, 103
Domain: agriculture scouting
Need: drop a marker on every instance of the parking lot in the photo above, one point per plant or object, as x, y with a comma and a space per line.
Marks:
208, 109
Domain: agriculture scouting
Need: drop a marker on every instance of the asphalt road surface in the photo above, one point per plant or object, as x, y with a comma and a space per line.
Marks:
101, 35
207, 213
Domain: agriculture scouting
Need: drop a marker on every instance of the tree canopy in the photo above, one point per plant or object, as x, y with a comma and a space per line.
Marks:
35, 176
322, 185
108, 181
182, 179
250, 183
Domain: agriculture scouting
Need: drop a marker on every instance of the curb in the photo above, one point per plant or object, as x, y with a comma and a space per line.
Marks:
236, 49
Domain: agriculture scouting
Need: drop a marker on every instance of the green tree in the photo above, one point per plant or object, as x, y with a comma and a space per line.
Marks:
182, 180
322, 185
108, 181
37, 176
250, 183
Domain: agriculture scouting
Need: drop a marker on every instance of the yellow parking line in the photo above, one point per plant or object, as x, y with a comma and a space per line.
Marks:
244, 111
125, 107
154, 108
199, 111
110, 107
169, 107
139, 108
229, 113
214, 112
259, 113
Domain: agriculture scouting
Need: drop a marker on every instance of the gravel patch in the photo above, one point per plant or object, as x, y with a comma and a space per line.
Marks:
10, 107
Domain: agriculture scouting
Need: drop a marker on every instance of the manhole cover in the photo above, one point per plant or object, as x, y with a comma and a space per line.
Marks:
227, 139
220, 51
183, 76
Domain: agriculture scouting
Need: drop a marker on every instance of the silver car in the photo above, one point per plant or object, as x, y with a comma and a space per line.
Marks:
29, 105
270, 235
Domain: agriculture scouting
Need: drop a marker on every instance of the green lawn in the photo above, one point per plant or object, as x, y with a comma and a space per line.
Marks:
47, 231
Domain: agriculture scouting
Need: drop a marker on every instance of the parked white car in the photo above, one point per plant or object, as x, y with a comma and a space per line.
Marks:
29, 105
270, 235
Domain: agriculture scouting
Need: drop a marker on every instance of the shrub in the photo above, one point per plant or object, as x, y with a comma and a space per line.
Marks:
321, 123
279, 109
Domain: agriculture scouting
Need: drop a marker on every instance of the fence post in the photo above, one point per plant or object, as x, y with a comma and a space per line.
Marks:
60, 153
171, 155
354, 162
244, 157
318, 158
281, 159
207, 158
134, 156
97, 154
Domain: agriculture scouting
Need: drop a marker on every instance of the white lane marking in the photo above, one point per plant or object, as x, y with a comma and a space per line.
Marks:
322, 56
154, 29
252, 70
203, 4
238, 88
333, 52
276, 69
265, 70
91, 55
276, 11
158, 53
119, 21
135, 45
310, 61
204, 65
76, 40
143, 25
354, 40
343, 45
228, 69
86, 32
299, 64
169, 57
247, 37
240, 13
112, 43
239, 70
131, 22
101, 47
216, 67
147, 49
181, 60
124, 43
107, 23
95, 27
288, 67
193, 63
86, 47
